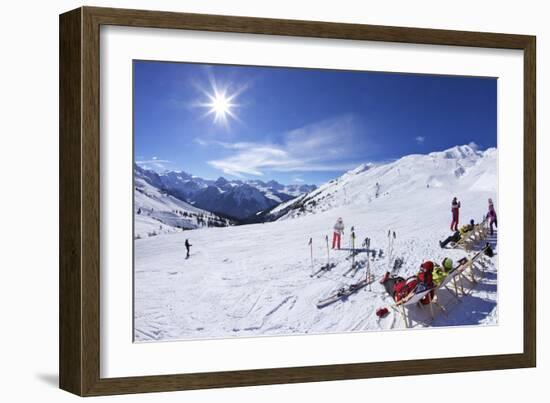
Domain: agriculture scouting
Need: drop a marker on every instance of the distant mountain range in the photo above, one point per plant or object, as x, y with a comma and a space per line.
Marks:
232, 198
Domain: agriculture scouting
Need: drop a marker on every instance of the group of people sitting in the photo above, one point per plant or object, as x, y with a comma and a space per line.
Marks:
429, 276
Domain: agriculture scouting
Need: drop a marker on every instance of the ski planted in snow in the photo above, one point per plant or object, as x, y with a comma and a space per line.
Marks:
366, 243
391, 241
310, 243
345, 292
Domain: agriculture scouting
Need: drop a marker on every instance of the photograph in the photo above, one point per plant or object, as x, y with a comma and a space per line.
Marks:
287, 201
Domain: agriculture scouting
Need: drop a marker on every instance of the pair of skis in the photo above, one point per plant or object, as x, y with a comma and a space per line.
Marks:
355, 267
345, 292
327, 267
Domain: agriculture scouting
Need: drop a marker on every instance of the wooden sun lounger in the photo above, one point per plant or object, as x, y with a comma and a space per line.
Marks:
414, 299
466, 241
456, 274
469, 239
481, 230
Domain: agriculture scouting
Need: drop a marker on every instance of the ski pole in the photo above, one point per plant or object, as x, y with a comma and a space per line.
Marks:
328, 250
368, 273
311, 252
389, 246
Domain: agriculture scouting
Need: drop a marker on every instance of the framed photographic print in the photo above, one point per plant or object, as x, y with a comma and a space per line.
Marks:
250, 201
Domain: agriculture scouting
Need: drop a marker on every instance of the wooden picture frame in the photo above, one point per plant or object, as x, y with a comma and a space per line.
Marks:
79, 346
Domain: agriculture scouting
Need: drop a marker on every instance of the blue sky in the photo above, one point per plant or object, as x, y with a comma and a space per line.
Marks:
300, 125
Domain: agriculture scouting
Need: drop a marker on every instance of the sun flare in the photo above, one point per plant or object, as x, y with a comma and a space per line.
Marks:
221, 106
221, 103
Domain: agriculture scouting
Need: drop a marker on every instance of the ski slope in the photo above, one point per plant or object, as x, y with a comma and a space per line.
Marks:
254, 280
156, 212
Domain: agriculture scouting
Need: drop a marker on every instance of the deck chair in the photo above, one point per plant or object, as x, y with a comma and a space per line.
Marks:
467, 241
414, 299
452, 283
481, 230
450, 280
459, 273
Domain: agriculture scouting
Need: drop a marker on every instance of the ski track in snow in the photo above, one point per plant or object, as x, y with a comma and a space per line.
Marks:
255, 279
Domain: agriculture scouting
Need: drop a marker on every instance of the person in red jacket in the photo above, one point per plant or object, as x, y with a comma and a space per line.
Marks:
400, 288
425, 281
337, 234
455, 206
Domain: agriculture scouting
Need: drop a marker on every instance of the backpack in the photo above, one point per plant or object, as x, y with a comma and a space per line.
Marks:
489, 251
403, 287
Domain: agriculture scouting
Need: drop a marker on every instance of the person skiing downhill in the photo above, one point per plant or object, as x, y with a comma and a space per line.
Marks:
455, 206
492, 215
188, 247
337, 234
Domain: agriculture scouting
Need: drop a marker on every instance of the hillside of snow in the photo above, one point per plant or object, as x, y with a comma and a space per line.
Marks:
439, 171
253, 280
156, 212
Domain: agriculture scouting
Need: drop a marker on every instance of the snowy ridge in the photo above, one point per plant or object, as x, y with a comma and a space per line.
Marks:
458, 167
236, 198
254, 280
156, 212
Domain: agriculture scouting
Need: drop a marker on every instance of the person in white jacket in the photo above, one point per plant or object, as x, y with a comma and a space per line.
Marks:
338, 231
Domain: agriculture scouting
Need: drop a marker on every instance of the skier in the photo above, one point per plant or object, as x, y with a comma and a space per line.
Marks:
188, 247
338, 231
455, 206
492, 215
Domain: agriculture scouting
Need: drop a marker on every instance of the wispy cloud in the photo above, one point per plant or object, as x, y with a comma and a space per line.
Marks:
326, 146
420, 139
155, 164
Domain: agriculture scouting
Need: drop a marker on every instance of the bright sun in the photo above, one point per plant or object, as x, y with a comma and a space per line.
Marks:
221, 106
220, 103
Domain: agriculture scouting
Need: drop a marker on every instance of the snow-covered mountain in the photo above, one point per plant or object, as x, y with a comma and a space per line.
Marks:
156, 212
452, 168
235, 198
254, 280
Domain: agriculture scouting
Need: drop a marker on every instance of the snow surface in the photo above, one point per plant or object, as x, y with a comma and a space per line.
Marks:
254, 280
156, 212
